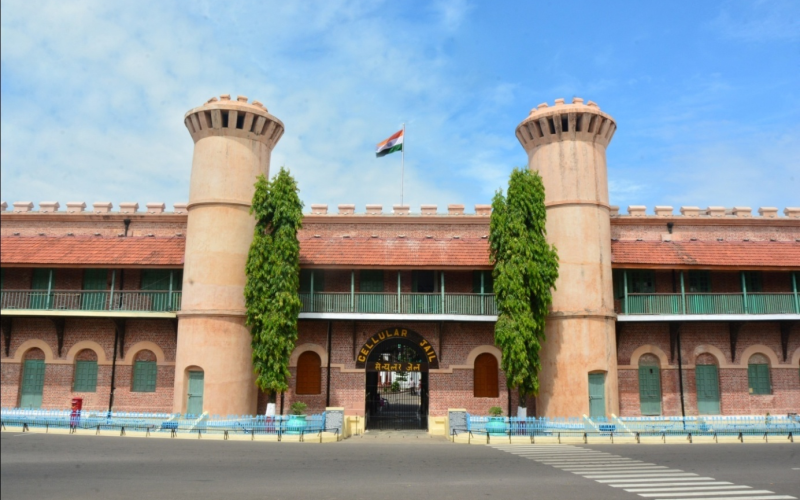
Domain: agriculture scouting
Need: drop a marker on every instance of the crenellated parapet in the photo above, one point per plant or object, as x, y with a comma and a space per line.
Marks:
224, 117
576, 122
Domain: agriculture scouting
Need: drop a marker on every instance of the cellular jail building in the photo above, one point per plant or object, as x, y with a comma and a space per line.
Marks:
655, 313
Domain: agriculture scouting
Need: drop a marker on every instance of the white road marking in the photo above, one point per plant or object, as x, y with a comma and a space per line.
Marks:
623, 476
690, 488
589, 462
706, 493
668, 484
650, 481
652, 468
661, 480
638, 464
757, 497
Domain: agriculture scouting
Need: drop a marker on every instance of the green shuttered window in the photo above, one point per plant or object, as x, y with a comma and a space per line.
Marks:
305, 280
370, 281
40, 282
94, 280
32, 384
641, 281
752, 280
707, 382
699, 282
758, 376
488, 282
85, 376
145, 374
649, 386
158, 279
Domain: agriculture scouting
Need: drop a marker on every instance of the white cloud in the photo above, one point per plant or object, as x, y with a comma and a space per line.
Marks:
98, 90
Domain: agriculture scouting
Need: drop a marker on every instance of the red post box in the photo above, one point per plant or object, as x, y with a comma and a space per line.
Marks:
75, 415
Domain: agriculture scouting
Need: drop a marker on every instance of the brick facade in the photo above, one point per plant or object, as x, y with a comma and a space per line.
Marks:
451, 385
84, 339
702, 343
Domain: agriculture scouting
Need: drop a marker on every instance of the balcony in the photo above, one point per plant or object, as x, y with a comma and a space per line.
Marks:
751, 305
464, 306
141, 303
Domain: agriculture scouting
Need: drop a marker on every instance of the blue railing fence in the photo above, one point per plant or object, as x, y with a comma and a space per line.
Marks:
172, 423
739, 425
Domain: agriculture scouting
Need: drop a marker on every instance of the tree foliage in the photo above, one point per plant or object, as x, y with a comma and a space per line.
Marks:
525, 272
273, 279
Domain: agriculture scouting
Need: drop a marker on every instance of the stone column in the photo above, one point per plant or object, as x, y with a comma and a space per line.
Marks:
233, 143
566, 144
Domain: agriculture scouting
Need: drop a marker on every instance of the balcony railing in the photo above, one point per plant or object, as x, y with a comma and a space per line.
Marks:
88, 300
474, 304
709, 303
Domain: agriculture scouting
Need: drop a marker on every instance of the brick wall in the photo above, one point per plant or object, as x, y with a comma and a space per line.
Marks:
735, 398
760, 230
59, 374
437, 228
113, 226
446, 390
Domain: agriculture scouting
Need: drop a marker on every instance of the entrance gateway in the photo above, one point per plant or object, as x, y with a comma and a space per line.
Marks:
397, 361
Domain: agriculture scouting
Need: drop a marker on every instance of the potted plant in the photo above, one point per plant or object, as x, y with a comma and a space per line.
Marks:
297, 418
496, 425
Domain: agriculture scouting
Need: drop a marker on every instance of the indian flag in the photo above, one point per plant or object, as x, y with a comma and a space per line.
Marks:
390, 145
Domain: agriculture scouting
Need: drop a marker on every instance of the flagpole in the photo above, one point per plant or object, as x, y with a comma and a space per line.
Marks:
403, 168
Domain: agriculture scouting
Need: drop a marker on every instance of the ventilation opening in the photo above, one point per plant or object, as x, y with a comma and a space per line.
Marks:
253, 125
538, 129
240, 121
564, 123
592, 123
578, 119
598, 124
224, 119
552, 125
208, 119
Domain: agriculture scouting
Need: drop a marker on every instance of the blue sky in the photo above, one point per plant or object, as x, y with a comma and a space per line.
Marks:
706, 94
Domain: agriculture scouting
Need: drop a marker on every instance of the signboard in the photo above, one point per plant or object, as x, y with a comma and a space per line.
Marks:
397, 335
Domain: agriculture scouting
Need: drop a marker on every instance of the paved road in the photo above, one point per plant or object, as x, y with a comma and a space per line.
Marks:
50, 466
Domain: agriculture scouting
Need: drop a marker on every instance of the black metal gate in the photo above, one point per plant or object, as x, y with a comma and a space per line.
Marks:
397, 388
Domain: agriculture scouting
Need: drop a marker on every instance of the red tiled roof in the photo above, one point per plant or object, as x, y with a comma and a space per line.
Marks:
400, 252
707, 253
394, 252
82, 250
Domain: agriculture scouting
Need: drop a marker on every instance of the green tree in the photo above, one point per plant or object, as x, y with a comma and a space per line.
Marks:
525, 272
273, 279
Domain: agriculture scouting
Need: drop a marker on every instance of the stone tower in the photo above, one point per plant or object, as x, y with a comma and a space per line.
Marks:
566, 144
233, 141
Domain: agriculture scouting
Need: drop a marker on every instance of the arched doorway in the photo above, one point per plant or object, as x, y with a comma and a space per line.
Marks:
195, 390
397, 361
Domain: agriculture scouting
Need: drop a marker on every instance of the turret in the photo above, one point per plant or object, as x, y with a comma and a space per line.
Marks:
233, 143
566, 144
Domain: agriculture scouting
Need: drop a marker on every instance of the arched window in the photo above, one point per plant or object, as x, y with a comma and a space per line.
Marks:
758, 374
309, 373
32, 381
145, 372
85, 379
649, 385
485, 377
706, 376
